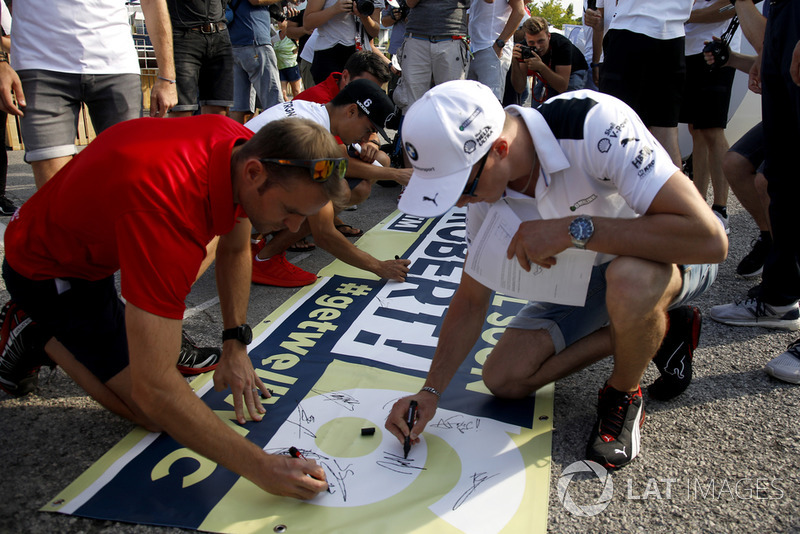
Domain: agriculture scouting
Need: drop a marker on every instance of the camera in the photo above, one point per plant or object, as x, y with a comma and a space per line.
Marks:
527, 52
720, 51
404, 9
365, 7
277, 12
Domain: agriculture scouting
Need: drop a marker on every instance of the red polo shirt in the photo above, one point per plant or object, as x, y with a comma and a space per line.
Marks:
145, 197
322, 93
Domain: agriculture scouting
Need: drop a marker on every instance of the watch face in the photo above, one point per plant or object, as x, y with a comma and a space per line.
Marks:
246, 334
581, 229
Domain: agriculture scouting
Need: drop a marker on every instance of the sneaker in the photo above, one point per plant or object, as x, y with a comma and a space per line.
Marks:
21, 351
756, 312
194, 360
278, 271
723, 218
616, 438
7, 208
786, 367
674, 357
256, 246
752, 264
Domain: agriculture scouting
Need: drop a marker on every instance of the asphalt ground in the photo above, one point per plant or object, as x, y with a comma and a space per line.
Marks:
722, 457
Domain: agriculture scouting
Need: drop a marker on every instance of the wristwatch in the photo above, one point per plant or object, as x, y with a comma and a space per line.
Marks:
581, 230
242, 332
499, 42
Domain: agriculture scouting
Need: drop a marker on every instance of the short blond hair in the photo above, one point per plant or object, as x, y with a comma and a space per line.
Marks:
535, 25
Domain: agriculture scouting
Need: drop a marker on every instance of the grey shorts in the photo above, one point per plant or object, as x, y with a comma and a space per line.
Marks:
568, 324
50, 124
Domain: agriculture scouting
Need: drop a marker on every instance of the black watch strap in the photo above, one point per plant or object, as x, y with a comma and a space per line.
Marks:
242, 332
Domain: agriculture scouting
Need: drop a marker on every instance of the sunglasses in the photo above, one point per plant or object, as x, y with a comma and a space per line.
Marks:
320, 169
470, 190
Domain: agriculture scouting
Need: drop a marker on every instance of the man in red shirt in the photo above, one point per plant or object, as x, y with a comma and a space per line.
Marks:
152, 218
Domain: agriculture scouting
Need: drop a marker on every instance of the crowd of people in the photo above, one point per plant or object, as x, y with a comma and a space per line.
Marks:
243, 174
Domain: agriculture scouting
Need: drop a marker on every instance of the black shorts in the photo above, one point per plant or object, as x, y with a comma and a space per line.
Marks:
87, 317
203, 69
706, 95
647, 74
751, 146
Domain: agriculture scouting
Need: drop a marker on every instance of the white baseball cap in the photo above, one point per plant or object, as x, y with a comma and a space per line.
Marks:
445, 133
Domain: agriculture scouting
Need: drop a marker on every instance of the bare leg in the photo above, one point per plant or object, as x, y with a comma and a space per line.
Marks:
668, 137
523, 360
741, 176
282, 240
700, 163
47, 168
637, 296
114, 395
238, 116
717, 148
214, 110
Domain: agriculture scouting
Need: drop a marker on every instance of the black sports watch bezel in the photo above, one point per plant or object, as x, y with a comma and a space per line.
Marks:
499, 42
581, 230
242, 332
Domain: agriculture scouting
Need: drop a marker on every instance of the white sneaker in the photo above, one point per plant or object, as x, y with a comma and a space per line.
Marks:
756, 312
724, 220
786, 367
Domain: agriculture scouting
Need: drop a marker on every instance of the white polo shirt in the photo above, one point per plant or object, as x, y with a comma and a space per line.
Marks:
296, 108
597, 158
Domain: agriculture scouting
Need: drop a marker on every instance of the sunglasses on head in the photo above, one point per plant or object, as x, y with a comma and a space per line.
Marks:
320, 169
470, 190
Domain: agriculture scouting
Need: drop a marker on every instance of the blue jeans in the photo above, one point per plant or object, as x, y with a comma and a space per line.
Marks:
255, 66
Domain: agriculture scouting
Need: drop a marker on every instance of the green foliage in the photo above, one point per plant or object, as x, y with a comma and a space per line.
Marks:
554, 12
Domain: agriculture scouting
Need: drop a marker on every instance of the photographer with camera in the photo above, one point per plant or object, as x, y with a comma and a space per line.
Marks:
555, 63
343, 26
395, 16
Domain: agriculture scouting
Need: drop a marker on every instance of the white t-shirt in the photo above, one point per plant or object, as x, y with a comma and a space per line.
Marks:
296, 108
698, 33
597, 158
78, 37
486, 21
344, 28
659, 19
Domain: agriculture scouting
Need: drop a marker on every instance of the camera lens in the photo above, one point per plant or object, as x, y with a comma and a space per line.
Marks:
366, 7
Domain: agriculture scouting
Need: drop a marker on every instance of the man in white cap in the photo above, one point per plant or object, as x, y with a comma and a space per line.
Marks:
600, 182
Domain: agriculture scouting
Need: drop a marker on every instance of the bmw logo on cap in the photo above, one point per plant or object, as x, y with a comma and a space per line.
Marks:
412, 152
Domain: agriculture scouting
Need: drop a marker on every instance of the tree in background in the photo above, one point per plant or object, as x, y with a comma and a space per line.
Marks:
554, 12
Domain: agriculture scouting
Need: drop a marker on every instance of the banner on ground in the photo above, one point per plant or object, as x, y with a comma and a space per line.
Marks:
337, 356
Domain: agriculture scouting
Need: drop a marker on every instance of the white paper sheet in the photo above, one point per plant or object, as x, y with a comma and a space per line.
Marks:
564, 283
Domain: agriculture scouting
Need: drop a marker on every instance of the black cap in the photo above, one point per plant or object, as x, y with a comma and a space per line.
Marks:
372, 101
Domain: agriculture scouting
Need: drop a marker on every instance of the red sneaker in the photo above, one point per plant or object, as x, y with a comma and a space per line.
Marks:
278, 271
256, 246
